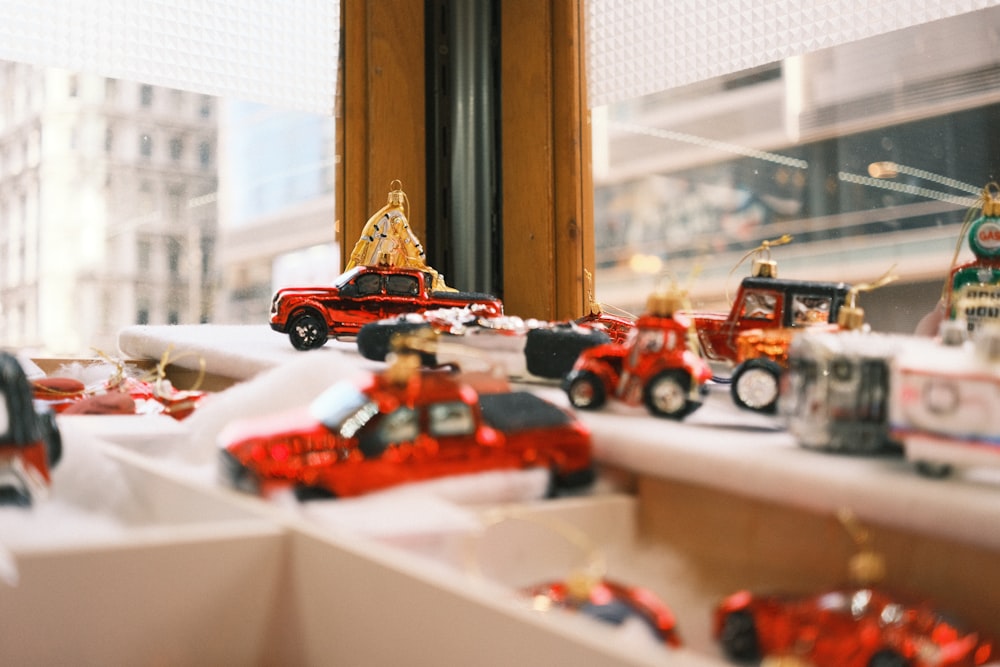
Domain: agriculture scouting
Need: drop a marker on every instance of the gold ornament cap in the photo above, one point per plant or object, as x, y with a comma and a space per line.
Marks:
851, 318
991, 205
396, 194
866, 568
764, 268
664, 304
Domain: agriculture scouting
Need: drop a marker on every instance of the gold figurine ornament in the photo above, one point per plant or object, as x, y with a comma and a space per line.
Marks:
387, 240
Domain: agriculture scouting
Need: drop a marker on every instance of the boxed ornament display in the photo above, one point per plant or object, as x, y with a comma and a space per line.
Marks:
692, 511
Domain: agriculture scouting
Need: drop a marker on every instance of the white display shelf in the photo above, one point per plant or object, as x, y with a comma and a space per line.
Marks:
156, 562
198, 574
725, 448
122, 565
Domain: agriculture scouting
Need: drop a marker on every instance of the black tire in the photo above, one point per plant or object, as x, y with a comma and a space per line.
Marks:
756, 385
578, 479
306, 492
888, 658
668, 394
308, 331
933, 469
570, 482
739, 636
585, 390
375, 339
550, 352
51, 436
236, 475
14, 496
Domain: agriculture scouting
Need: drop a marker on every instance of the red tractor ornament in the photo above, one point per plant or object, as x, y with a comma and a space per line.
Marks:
658, 365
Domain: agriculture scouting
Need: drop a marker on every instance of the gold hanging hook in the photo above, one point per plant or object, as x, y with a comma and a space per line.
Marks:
867, 566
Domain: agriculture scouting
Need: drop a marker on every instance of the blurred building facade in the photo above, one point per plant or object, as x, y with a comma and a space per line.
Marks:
124, 203
108, 211
276, 206
688, 180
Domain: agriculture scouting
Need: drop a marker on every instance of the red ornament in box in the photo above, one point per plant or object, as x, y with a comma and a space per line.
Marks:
857, 625
846, 627
611, 602
404, 424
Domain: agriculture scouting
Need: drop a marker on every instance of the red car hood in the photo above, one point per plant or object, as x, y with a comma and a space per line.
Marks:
240, 432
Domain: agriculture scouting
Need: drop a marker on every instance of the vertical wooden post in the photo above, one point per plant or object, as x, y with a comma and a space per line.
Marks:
381, 104
547, 191
546, 147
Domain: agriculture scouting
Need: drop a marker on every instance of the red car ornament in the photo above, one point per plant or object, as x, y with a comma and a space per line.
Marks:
401, 425
845, 627
857, 625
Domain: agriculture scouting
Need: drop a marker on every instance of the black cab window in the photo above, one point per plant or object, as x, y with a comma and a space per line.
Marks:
759, 305
400, 285
451, 418
369, 283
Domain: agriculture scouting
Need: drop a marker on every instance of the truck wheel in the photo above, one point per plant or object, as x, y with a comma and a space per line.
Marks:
571, 481
666, 395
551, 352
585, 390
307, 332
306, 492
236, 475
51, 436
14, 495
888, 658
375, 339
933, 469
739, 636
755, 385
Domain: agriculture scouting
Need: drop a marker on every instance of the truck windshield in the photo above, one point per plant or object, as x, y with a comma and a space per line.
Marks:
343, 408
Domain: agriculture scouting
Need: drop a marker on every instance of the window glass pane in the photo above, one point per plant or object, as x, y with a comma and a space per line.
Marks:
452, 418
280, 54
402, 285
868, 154
639, 47
399, 426
369, 283
152, 210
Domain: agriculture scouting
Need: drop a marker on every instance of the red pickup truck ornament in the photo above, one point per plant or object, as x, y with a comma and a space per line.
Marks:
386, 276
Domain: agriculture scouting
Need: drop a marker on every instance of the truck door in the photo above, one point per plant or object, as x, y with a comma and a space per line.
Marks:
402, 295
756, 309
365, 302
